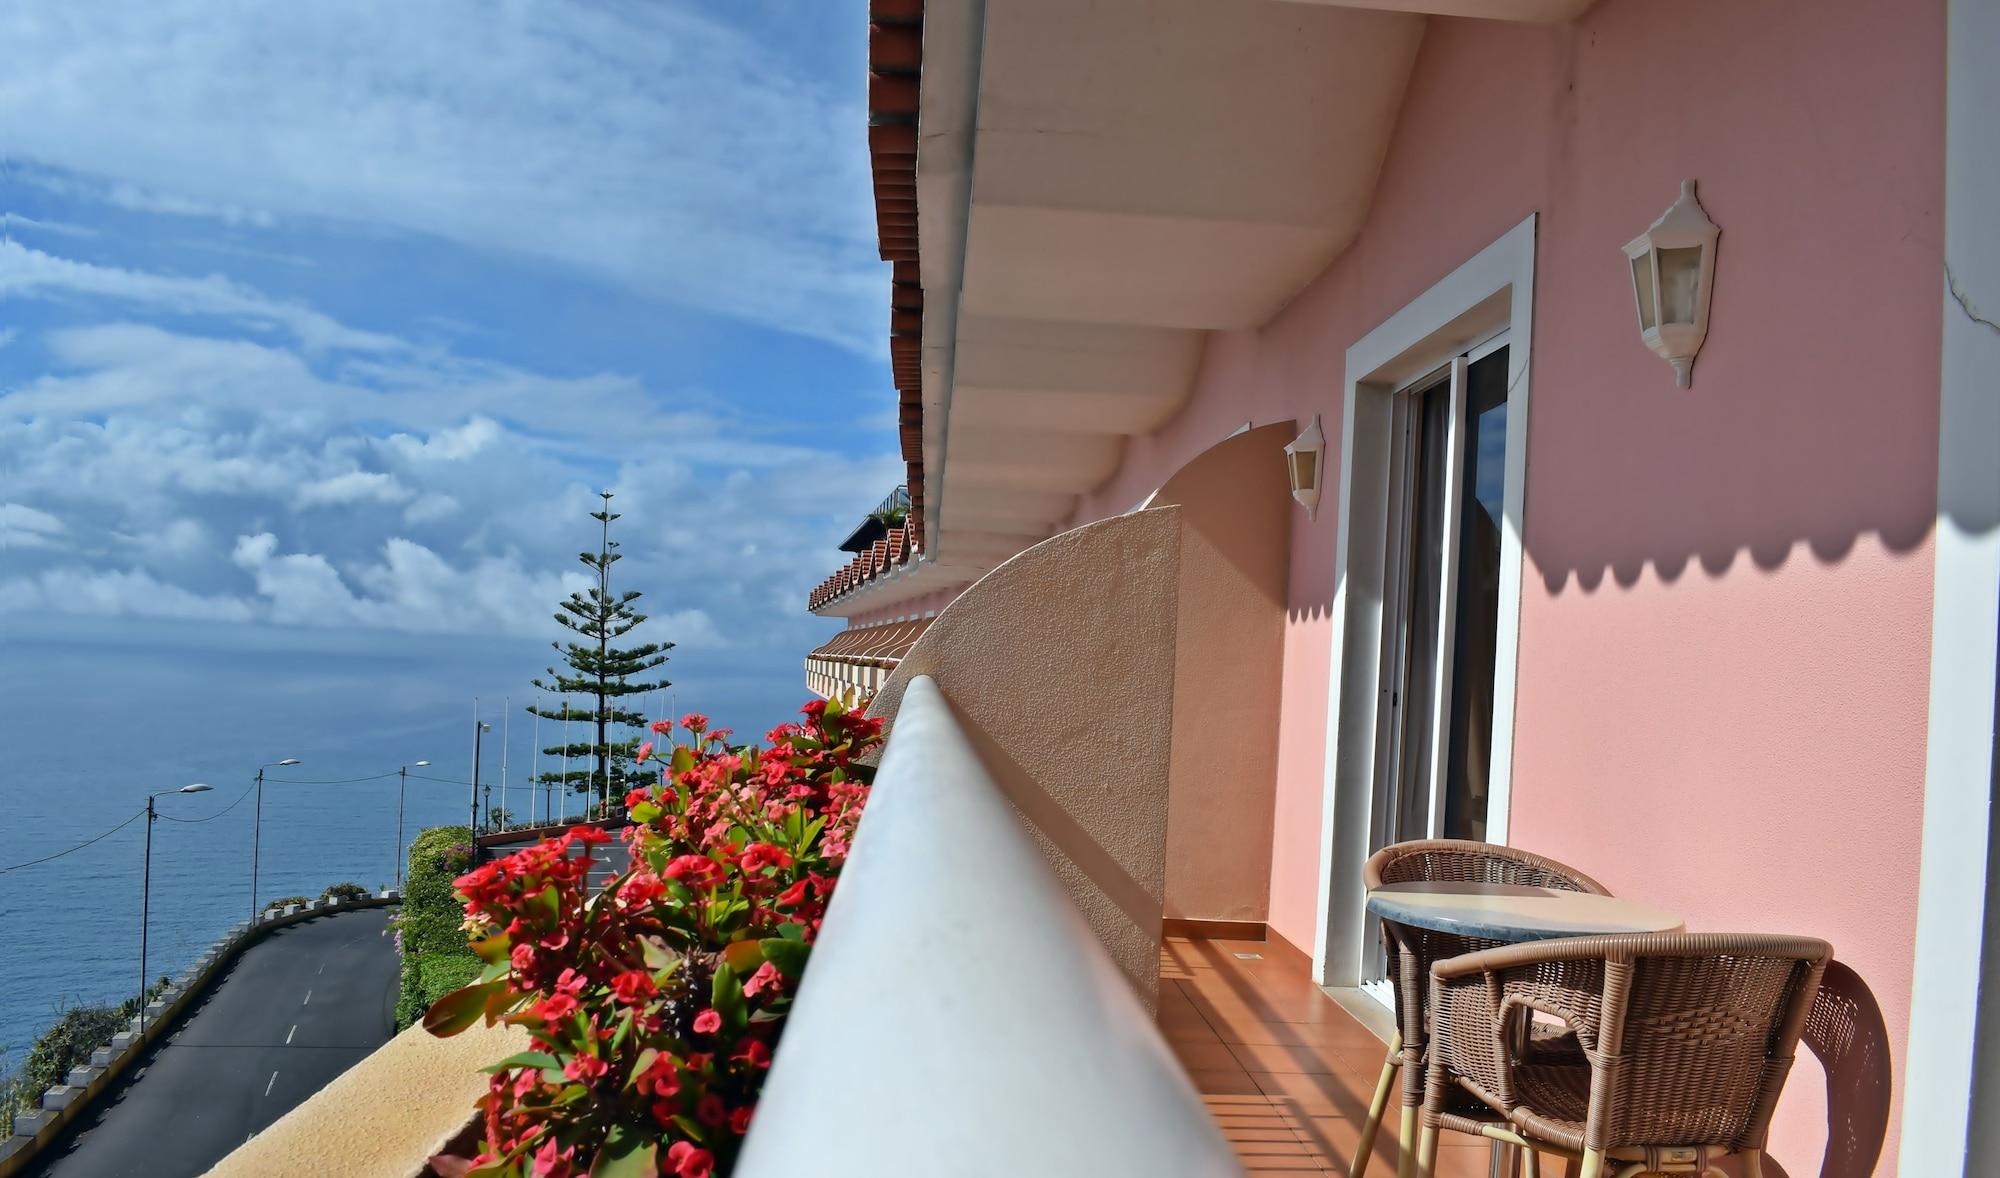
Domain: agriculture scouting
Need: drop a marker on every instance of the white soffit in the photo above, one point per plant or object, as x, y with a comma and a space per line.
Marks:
1539, 11
1100, 184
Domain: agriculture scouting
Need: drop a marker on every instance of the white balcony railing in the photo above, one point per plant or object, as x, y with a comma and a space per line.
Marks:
959, 1017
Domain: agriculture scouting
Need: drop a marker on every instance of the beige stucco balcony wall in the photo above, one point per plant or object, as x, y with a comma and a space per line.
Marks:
1229, 659
1060, 664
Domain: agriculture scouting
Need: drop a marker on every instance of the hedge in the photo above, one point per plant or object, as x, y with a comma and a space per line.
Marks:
68, 1044
436, 958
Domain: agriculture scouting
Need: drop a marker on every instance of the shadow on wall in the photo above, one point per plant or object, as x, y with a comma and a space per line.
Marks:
1845, 1030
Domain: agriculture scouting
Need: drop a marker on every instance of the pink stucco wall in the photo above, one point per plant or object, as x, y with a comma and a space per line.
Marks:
1724, 630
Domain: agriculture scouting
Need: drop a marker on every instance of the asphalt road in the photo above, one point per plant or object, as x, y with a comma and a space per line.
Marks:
294, 1011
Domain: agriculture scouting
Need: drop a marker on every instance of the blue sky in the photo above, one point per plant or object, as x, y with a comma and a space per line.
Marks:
322, 324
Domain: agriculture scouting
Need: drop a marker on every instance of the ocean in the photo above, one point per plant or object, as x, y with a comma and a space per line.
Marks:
92, 719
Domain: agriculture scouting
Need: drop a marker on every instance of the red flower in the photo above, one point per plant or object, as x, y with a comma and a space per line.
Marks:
758, 856
555, 1008
523, 957
694, 722
663, 1078
754, 1053
633, 987
642, 889
591, 835
711, 1110
690, 1160
661, 727
550, 1160
739, 1119
792, 896
766, 978
645, 750
585, 1068
696, 871
708, 1022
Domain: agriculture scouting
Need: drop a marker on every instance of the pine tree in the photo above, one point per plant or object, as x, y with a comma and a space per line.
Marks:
594, 667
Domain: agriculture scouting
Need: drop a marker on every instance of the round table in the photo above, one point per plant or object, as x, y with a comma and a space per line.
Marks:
1513, 913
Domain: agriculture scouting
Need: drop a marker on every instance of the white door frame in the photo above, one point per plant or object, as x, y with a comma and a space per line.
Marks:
1492, 291
1951, 1068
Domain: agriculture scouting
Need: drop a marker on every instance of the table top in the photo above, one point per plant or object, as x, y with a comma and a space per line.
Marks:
1514, 912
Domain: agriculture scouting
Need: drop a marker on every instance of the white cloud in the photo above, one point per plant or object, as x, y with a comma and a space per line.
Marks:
644, 143
430, 508
410, 588
22, 526
114, 593
356, 486
26, 272
177, 540
7, 336
9, 222
453, 444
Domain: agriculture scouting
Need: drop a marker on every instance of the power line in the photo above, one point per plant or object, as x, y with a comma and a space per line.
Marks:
80, 846
218, 813
329, 780
445, 780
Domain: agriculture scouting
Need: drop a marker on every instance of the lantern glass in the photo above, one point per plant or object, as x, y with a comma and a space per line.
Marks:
1305, 470
1642, 285
1680, 283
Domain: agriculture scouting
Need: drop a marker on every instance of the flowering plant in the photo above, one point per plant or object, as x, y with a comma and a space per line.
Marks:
653, 1004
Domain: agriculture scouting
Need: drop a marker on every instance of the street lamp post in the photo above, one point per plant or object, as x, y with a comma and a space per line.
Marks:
146, 889
257, 831
479, 729
402, 772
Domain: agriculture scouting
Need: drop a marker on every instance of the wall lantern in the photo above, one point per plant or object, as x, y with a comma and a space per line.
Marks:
1305, 462
1673, 274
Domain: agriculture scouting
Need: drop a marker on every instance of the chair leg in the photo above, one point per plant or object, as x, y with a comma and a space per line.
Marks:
1531, 1164
1753, 1163
1376, 1107
1593, 1164
1406, 1142
1427, 1152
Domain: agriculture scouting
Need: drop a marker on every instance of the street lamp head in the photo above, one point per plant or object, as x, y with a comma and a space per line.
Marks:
419, 764
196, 788
485, 727
289, 761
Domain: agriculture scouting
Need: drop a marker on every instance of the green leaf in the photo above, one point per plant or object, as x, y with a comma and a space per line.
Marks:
788, 955
726, 995
459, 1009
683, 759
626, 1154
525, 1059
743, 956
792, 932
493, 949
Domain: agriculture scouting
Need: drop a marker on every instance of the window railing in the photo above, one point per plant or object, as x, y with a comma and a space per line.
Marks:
959, 1017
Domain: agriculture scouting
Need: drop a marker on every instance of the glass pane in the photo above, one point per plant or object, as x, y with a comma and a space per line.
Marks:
1469, 739
1680, 273
1426, 573
1642, 284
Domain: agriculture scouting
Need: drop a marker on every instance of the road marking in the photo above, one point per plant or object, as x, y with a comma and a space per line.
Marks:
322, 967
309, 999
269, 1082
290, 1033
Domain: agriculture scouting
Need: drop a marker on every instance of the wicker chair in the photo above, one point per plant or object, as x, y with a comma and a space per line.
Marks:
1688, 1038
1413, 950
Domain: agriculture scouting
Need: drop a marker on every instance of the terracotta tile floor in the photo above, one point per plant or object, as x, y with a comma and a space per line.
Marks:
1284, 1069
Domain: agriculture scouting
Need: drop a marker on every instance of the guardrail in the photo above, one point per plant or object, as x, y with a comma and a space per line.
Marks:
32, 1131
959, 1017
